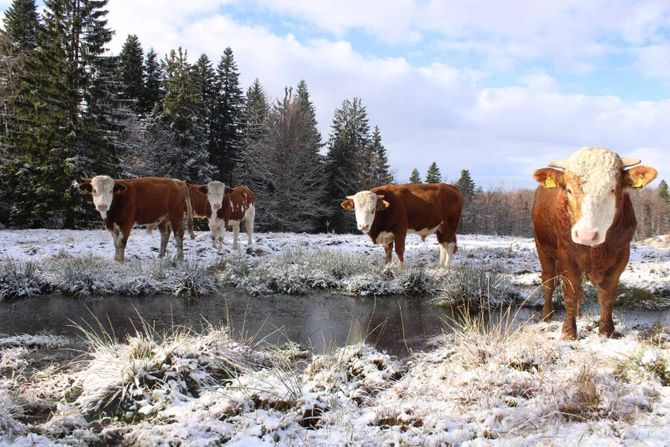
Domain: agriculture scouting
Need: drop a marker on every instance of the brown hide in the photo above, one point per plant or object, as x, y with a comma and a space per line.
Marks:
561, 257
236, 202
153, 201
417, 207
199, 202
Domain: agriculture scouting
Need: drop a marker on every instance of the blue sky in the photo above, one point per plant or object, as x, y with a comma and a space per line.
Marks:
497, 87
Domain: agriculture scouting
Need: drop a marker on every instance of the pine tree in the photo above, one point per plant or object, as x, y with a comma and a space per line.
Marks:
349, 138
375, 162
65, 123
228, 128
663, 192
466, 185
181, 111
249, 170
415, 177
433, 174
17, 42
22, 24
153, 74
291, 191
131, 61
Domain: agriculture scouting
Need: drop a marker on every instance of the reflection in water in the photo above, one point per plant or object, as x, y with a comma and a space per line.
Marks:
319, 322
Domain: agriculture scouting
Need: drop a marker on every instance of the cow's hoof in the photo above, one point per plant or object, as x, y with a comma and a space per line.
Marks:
609, 334
569, 335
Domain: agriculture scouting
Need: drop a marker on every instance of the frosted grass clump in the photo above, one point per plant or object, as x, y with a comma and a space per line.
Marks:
20, 280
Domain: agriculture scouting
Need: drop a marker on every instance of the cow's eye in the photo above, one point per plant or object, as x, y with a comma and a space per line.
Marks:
612, 191
569, 191
94, 191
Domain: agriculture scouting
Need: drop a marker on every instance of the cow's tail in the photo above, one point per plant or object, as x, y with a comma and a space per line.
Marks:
189, 209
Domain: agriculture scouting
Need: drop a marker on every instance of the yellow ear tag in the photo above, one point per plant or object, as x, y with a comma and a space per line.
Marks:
639, 183
549, 183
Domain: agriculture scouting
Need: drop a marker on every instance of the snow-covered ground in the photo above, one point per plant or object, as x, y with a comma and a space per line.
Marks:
298, 263
503, 385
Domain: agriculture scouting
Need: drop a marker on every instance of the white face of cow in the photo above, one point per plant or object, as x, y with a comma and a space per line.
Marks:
594, 179
215, 191
103, 193
365, 204
593, 176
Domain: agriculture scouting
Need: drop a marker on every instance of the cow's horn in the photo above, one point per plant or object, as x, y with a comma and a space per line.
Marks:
628, 162
558, 164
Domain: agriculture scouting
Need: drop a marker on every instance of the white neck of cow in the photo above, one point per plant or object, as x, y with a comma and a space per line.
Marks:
215, 192
103, 193
365, 204
598, 171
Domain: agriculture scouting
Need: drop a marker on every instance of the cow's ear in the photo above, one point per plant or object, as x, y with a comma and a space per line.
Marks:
119, 188
227, 190
347, 204
639, 176
86, 186
382, 205
549, 178
203, 189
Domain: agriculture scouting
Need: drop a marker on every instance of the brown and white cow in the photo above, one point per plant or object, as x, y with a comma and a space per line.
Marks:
204, 199
238, 205
583, 223
153, 201
387, 213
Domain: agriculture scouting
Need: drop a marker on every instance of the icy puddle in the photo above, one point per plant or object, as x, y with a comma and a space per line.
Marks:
318, 322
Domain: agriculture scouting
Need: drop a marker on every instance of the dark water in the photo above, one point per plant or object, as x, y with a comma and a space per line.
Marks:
397, 325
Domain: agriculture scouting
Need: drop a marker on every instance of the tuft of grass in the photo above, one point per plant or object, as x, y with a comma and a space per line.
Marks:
192, 280
582, 404
20, 280
474, 286
646, 364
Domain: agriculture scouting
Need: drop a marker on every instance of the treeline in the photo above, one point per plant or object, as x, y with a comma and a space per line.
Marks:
69, 110
508, 213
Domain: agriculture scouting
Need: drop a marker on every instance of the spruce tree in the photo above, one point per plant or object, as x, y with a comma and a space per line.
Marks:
153, 74
433, 174
228, 127
415, 177
65, 123
375, 162
347, 144
131, 67
180, 112
466, 185
22, 24
249, 169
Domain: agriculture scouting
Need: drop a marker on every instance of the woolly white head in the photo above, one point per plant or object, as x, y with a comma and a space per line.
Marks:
103, 193
365, 204
215, 192
597, 173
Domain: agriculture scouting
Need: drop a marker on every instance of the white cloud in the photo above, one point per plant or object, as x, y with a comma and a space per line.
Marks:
435, 112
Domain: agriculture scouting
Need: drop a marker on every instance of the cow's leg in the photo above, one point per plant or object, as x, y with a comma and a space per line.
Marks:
388, 248
164, 228
116, 236
236, 233
177, 223
607, 292
122, 240
573, 295
214, 231
222, 232
447, 247
549, 281
249, 224
399, 239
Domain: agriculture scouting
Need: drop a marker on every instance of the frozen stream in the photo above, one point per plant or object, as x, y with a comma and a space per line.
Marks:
318, 322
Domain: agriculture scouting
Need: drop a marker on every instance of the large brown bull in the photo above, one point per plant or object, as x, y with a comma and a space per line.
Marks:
583, 223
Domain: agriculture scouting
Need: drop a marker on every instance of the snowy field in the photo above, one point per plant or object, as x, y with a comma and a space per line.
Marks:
503, 385
80, 263
480, 385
